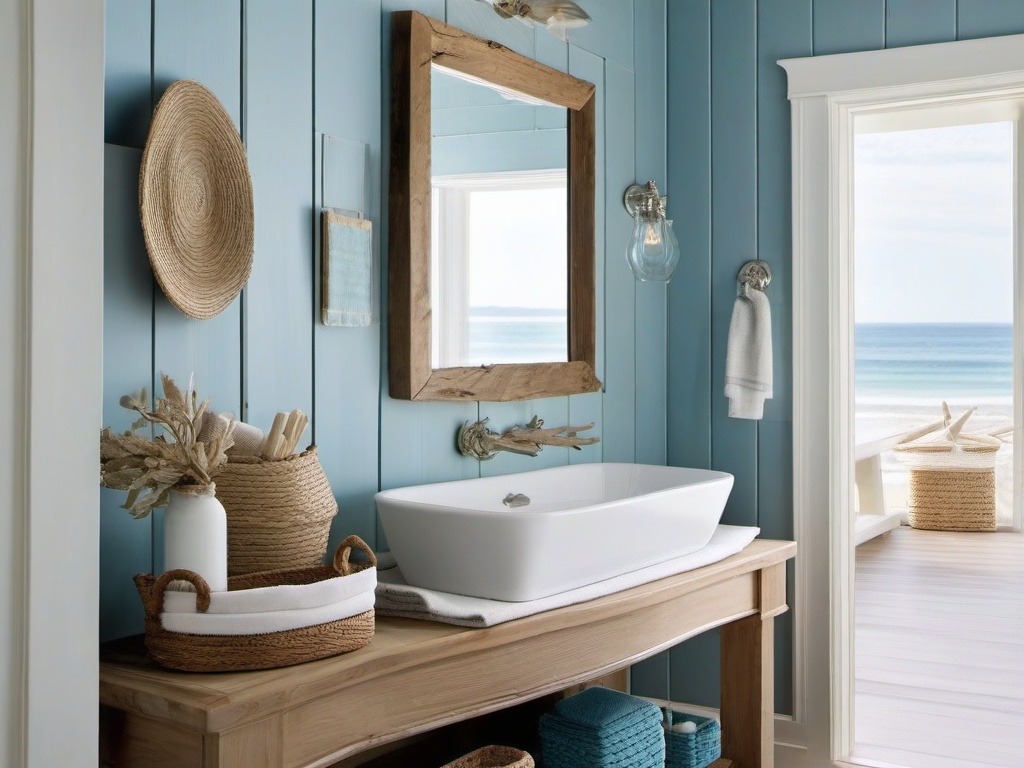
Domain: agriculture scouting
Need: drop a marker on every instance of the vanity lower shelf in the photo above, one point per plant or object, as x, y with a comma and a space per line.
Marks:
415, 676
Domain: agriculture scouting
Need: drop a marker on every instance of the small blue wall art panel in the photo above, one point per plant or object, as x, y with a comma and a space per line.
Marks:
348, 270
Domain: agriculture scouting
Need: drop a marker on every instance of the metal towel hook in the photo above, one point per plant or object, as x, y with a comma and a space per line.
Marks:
754, 274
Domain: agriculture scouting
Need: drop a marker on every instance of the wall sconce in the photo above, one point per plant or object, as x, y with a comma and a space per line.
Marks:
653, 250
559, 16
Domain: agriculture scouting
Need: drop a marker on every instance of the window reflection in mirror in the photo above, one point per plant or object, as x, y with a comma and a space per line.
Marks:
499, 208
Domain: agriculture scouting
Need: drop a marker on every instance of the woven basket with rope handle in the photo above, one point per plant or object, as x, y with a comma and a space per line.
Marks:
225, 653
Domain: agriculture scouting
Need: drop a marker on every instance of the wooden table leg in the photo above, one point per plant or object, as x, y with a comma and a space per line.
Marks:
256, 745
747, 674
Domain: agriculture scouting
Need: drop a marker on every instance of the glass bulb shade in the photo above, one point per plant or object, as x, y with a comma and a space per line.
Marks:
653, 251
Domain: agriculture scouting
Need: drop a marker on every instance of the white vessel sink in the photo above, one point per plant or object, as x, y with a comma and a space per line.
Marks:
583, 523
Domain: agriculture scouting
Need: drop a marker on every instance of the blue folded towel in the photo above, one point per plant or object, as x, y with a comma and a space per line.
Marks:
602, 707
601, 728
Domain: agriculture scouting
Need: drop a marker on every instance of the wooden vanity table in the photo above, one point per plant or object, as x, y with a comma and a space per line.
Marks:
416, 675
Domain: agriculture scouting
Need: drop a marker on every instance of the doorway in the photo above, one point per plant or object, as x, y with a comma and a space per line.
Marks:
939, 595
829, 95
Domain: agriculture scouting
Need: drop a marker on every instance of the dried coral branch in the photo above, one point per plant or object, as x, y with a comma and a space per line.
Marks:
478, 441
150, 469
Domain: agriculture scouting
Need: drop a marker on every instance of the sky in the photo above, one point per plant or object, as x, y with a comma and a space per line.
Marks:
933, 225
518, 243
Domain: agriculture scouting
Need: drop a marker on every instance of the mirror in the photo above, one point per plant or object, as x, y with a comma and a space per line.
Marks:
491, 267
499, 245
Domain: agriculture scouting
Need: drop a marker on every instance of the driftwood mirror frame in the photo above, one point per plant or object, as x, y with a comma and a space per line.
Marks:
418, 42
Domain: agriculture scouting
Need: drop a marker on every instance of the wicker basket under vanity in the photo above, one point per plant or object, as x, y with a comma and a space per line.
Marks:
279, 511
494, 757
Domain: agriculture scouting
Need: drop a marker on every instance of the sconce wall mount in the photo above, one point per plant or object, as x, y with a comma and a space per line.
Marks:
645, 200
653, 250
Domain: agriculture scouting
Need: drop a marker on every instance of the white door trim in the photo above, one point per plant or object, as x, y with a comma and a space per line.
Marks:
51, 390
826, 93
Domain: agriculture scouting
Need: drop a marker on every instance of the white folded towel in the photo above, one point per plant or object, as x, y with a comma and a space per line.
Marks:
397, 598
266, 622
748, 356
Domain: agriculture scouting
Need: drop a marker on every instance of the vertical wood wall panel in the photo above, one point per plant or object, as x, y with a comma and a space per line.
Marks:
620, 287
841, 26
609, 34
915, 22
985, 18
694, 670
549, 50
733, 229
732, 187
348, 40
689, 179
717, 91
584, 409
127, 75
278, 305
651, 323
125, 543
689, 667
651, 332
783, 31
199, 40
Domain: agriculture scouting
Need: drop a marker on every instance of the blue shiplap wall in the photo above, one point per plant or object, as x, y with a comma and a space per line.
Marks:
728, 166
306, 82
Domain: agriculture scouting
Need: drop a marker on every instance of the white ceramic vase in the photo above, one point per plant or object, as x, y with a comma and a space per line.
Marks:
196, 535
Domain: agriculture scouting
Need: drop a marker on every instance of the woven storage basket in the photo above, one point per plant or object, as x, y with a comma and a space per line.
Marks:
279, 512
952, 500
692, 750
952, 479
236, 652
494, 757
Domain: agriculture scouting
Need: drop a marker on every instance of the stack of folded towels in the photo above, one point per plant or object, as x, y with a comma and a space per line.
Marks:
601, 728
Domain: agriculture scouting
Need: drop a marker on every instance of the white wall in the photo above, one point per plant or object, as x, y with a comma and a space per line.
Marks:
51, 293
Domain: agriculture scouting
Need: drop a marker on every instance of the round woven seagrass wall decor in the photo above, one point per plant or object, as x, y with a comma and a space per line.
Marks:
196, 201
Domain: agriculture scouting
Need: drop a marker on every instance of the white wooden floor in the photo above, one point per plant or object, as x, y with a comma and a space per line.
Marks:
940, 650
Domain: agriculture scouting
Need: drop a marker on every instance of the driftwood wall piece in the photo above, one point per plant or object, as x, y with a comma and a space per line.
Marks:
481, 443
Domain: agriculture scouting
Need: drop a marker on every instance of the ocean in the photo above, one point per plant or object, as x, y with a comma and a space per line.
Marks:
517, 335
930, 362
